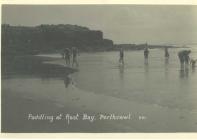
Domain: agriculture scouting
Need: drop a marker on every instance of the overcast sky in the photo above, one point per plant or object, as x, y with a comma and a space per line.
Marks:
121, 23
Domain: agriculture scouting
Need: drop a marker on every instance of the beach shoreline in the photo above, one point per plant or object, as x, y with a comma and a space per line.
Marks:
19, 102
16, 109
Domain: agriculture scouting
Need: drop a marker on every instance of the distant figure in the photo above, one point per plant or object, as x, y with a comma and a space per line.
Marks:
121, 60
184, 57
75, 53
67, 55
146, 52
166, 53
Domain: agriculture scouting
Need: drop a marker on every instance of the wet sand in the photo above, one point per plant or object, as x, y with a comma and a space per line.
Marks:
17, 106
15, 111
51, 97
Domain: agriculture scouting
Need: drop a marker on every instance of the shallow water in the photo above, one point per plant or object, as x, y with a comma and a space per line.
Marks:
154, 83
158, 82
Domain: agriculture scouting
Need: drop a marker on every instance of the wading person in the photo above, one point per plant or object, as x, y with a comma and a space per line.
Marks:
184, 58
166, 53
121, 59
67, 56
146, 52
74, 55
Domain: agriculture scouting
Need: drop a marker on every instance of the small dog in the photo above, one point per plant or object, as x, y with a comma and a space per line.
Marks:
193, 62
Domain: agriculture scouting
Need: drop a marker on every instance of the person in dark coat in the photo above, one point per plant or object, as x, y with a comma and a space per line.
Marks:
184, 56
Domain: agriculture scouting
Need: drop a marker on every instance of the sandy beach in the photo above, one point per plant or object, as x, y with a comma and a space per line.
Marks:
16, 109
50, 97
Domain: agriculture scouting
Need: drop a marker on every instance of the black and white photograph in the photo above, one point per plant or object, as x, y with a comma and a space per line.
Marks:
97, 68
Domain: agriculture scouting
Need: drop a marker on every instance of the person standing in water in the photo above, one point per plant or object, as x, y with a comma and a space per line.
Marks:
146, 52
166, 53
75, 53
67, 56
184, 58
121, 60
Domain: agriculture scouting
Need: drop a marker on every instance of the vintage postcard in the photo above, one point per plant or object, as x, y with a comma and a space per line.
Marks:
98, 68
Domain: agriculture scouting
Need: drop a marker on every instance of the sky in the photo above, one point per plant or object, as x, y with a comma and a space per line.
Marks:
124, 24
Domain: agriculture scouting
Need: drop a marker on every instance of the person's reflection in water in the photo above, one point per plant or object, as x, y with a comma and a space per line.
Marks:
166, 61
146, 61
166, 66
146, 65
193, 69
121, 69
146, 71
67, 81
184, 72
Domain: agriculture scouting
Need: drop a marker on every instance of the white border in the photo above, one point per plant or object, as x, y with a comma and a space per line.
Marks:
100, 135
152, 2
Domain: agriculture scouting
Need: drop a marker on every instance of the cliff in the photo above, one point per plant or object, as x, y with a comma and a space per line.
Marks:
51, 38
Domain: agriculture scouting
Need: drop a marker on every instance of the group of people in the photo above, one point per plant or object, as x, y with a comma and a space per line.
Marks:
69, 54
183, 57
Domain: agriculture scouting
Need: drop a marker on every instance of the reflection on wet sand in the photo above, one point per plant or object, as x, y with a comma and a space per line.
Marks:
166, 67
146, 70
68, 81
146, 66
166, 61
121, 70
193, 69
184, 72
146, 61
